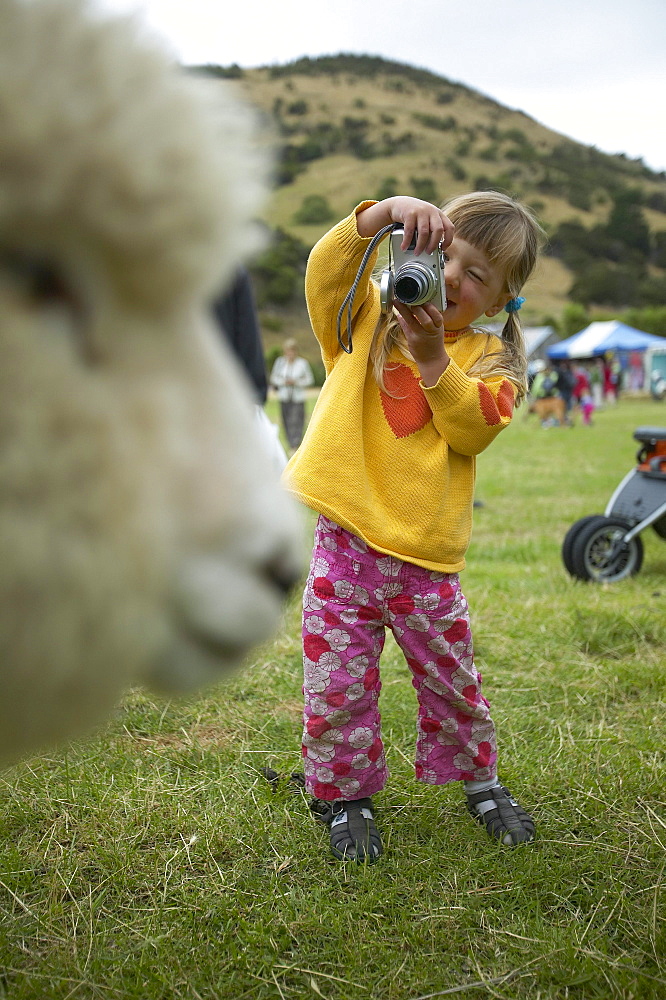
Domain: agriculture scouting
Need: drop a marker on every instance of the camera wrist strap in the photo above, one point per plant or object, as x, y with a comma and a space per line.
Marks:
348, 301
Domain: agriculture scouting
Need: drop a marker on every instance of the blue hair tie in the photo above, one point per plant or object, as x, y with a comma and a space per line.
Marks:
513, 305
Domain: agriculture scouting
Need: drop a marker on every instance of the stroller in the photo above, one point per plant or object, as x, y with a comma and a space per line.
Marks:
607, 547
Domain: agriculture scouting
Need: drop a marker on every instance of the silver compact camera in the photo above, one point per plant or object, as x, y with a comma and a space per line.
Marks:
411, 279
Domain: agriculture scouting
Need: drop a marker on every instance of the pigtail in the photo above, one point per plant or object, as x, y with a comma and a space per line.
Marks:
511, 359
509, 362
513, 343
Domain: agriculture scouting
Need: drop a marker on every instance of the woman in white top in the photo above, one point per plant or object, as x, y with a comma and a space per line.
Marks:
290, 377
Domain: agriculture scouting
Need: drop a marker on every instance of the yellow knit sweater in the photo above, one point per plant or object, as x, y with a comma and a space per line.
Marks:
398, 468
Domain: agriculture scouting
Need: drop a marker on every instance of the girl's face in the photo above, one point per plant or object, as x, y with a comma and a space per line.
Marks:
474, 286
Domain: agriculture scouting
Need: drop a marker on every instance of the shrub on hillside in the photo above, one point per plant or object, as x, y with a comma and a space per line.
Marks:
659, 251
580, 196
271, 322
652, 291
355, 132
516, 136
456, 169
651, 319
314, 209
298, 108
278, 271
424, 187
293, 159
604, 284
626, 221
233, 72
387, 189
392, 144
575, 317
656, 200
490, 153
504, 183
436, 122
522, 153
328, 137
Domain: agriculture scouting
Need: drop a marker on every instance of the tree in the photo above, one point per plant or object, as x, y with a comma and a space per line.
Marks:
626, 222
603, 284
659, 256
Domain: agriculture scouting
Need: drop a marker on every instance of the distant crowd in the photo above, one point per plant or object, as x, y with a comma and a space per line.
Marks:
560, 390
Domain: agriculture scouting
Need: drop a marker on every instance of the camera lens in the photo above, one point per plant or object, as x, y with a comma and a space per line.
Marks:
414, 284
407, 289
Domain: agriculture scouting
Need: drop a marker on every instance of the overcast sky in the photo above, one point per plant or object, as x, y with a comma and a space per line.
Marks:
593, 70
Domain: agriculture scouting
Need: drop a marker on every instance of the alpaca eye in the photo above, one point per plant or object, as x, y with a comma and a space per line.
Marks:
46, 286
39, 279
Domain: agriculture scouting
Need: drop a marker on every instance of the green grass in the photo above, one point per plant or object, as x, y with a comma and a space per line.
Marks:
154, 862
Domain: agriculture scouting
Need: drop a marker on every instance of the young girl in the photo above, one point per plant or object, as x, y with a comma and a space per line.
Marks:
388, 462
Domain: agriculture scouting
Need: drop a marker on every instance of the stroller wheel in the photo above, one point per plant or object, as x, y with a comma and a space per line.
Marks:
570, 537
598, 552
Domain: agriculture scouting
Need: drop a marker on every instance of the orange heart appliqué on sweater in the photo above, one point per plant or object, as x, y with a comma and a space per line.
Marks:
494, 409
406, 409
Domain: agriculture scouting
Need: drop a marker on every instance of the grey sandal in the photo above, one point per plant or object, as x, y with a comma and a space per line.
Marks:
504, 820
354, 836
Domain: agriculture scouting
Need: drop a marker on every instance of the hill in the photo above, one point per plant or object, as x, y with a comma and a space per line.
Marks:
349, 127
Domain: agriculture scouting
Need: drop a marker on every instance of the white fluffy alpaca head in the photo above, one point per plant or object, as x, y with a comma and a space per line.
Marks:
142, 533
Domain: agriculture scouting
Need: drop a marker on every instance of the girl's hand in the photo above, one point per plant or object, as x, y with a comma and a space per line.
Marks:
423, 327
428, 221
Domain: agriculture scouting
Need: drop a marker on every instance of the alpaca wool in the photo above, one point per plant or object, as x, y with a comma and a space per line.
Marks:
144, 537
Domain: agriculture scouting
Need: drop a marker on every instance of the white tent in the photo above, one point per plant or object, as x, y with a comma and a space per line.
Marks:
599, 338
537, 338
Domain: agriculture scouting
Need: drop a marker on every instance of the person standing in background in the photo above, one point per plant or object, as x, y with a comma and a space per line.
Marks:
636, 373
236, 315
612, 373
290, 377
566, 383
597, 382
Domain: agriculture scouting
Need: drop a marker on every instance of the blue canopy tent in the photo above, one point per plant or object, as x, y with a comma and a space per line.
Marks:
598, 338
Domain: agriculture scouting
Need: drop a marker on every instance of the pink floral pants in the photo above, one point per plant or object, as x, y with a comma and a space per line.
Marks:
352, 594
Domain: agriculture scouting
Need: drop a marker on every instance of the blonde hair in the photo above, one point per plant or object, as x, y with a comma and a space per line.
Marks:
510, 237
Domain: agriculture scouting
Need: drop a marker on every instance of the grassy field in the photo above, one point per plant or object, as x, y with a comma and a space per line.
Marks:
154, 861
